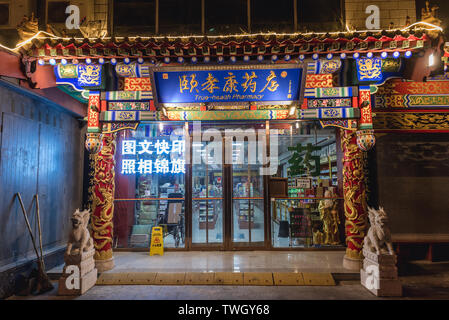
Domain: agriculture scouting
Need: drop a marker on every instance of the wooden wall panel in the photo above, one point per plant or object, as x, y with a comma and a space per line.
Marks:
18, 167
41, 152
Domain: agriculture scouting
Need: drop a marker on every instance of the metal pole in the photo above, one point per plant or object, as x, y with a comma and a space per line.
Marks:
203, 18
28, 224
39, 229
110, 24
248, 13
295, 15
157, 18
207, 193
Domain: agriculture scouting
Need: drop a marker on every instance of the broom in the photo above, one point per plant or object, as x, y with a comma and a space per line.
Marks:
43, 282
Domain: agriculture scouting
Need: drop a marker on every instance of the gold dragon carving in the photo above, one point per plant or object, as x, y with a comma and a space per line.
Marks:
102, 196
354, 194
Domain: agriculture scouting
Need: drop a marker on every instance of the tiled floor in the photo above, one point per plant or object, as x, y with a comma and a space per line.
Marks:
353, 291
239, 261
420, 280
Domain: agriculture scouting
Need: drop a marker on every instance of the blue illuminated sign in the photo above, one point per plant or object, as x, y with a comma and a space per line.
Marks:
274, 84
164, 157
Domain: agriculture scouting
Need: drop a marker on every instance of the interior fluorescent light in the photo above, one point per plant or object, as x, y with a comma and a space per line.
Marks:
431, 60
292, 111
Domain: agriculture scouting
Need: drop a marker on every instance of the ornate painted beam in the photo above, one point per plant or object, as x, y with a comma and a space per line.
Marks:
335, 92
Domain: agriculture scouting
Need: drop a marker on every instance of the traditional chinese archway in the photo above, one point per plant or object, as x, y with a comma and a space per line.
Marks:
117, 80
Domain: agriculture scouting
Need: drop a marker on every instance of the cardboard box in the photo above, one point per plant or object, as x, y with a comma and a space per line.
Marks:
319, 192
333, 190
174, 210
326, 183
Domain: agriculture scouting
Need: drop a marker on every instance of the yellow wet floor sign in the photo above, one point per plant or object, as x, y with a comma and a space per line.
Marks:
157, 241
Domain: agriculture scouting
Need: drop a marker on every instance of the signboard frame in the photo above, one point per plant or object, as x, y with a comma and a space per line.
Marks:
296, 65
306, 184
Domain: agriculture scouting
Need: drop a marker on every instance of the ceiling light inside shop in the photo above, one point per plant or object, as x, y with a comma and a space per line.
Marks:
292, 111
431, 60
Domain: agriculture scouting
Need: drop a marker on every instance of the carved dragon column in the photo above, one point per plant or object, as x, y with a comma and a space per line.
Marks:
103, 203
354, 199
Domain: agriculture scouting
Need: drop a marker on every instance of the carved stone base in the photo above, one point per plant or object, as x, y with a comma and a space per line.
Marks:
380, 274
385, 271
383, 287
352, 264
86, 282
79, 274
76, 259
104, 265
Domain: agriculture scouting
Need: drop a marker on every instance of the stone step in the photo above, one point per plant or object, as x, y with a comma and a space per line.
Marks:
227, 278
218, 278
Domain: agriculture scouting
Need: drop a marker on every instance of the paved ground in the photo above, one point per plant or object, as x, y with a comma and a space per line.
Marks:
420, 279
142, 292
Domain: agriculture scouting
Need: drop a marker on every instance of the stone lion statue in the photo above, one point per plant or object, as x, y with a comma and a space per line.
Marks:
378, 238
79, 238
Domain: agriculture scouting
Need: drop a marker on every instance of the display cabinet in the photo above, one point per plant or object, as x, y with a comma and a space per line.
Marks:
307, 222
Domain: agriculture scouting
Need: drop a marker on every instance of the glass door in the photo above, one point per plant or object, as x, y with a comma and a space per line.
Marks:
207, 198
247, 201
227, 196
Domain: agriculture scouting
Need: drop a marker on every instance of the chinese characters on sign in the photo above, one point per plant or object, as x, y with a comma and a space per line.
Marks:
93, 121
366, 119
160, 156
228, 85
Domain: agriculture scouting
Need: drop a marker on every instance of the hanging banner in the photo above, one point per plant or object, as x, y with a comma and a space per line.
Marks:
274, 84
93, 112
366, 118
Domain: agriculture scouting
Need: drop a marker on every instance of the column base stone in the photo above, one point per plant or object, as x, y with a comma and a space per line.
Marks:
104, 265
352, 264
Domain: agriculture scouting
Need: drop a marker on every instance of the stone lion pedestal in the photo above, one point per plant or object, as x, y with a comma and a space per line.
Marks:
380, 274
79, 274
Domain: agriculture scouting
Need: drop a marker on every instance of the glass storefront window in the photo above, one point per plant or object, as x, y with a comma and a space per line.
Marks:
227, 208
306, 222
311, 214
152, 158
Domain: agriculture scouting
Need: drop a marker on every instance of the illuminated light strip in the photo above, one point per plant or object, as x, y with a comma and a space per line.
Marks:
36, 36
8, 49
435, 27
149, 199
21, 44
307, 198
205, 199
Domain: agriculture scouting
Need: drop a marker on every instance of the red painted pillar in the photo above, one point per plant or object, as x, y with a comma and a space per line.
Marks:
103, 203
354, 194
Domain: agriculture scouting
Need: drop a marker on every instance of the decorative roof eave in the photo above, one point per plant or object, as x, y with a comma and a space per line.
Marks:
46, 46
